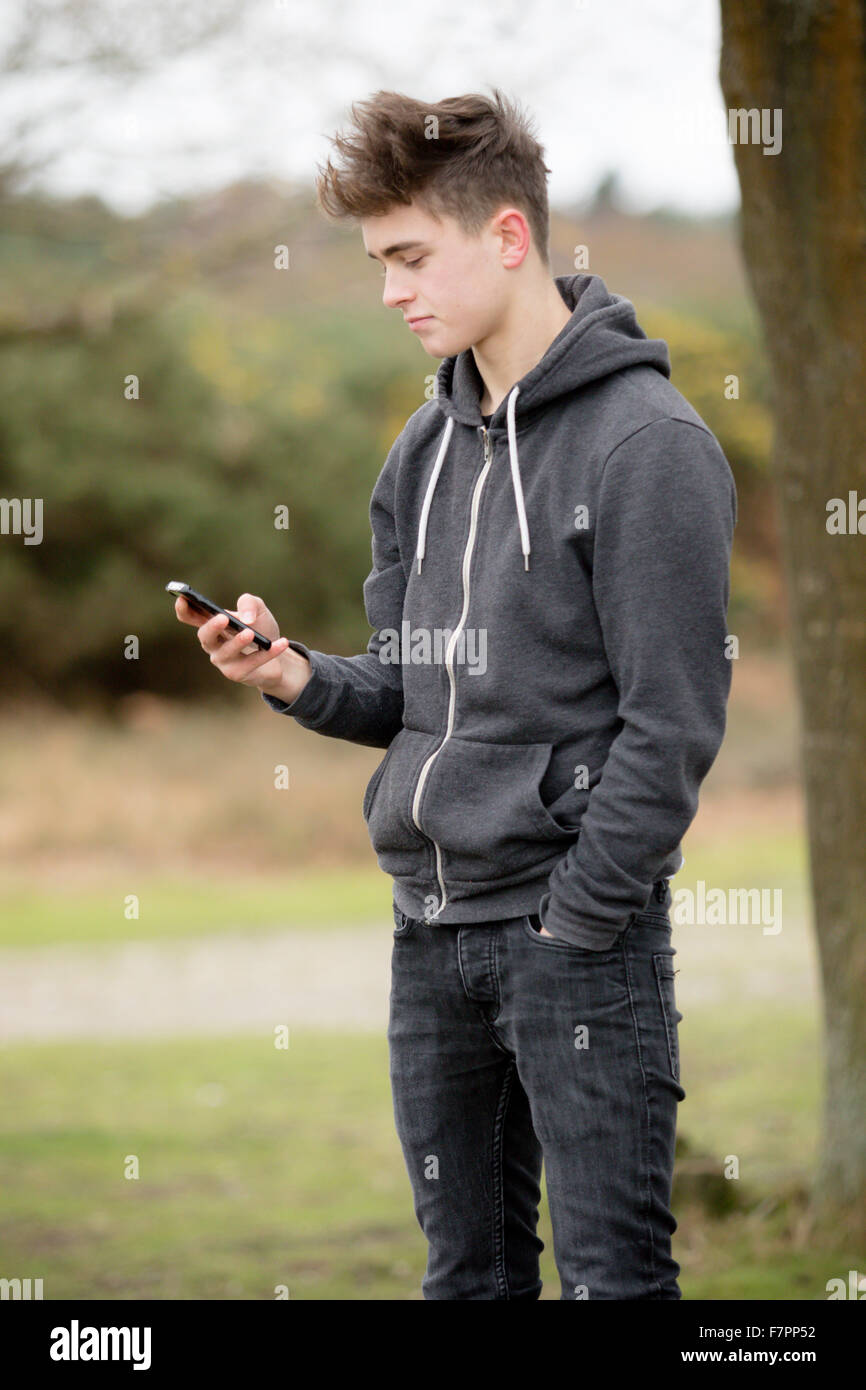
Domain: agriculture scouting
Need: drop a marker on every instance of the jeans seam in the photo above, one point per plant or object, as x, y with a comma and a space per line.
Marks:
645, 1138
482, 1009
499, 1265
492, 953
668, 1022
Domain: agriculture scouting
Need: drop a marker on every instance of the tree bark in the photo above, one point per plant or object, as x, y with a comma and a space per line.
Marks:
803, 237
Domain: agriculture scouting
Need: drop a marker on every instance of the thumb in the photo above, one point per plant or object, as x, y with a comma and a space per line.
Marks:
248, 607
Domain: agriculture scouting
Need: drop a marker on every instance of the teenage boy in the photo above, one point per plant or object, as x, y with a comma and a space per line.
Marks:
559, 500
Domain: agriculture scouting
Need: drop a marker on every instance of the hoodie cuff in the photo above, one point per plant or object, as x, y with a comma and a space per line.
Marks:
307, 704
590, 938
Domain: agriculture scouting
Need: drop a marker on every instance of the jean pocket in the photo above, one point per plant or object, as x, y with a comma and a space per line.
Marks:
653, 919
402, 924
557, 944
664, 972
482, 805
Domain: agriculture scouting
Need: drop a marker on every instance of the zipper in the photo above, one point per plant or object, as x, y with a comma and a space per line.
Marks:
449, 661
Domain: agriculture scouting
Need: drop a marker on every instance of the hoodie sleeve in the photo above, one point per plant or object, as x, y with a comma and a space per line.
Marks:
360, 698
661, 579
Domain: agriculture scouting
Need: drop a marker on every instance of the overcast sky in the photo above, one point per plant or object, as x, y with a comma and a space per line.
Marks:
630, 85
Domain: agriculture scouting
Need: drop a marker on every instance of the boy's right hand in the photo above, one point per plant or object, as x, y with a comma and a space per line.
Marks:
280, 671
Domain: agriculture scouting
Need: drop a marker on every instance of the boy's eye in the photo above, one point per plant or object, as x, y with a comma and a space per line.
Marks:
409, 265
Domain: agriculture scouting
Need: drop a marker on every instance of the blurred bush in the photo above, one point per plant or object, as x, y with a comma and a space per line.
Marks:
258, 390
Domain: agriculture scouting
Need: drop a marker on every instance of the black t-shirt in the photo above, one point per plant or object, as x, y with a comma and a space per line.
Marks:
487, 418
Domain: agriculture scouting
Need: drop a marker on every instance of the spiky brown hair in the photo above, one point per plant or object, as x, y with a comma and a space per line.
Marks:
465, 157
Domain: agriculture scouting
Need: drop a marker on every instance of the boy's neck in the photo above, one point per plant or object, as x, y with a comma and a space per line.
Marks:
529, 326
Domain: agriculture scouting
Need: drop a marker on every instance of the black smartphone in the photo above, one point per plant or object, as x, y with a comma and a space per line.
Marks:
207, 605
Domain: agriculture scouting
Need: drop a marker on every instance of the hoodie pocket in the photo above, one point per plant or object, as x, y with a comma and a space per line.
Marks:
374, 782
388, 803
482, 805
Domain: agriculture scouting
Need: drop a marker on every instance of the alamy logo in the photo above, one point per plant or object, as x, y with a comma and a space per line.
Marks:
76, 1343
21, 1288
423, 646
756, 127
856, 1287
17, 518
715, 907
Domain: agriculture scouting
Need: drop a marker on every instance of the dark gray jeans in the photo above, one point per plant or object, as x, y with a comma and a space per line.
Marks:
506, 1048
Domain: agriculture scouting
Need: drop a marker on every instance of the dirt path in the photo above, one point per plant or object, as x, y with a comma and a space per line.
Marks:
239, 983
248, 982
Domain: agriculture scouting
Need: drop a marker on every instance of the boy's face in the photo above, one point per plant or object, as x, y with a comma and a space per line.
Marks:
456, 285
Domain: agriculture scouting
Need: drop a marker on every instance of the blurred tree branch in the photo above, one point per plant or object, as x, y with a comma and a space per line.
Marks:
111, 40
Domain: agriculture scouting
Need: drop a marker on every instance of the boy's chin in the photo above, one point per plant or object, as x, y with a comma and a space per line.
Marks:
444, 345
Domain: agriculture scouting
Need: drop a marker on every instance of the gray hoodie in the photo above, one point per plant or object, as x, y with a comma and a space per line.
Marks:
548, 670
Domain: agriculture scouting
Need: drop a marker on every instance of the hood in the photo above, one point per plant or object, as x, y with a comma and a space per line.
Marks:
602, 336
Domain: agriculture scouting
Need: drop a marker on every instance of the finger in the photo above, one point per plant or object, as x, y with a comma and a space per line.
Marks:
186, 613
236, 644
231, 635
209, 634
238, 667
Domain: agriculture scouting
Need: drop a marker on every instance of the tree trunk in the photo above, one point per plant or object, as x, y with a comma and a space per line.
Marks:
804, 243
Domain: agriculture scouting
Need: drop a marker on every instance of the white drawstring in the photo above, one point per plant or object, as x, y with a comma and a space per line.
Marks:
428, 498
515, 478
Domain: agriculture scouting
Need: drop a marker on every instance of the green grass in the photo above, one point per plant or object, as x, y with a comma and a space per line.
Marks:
762, 1066
756, 860
198, 904
261, 1167
194, 905
294, 1177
